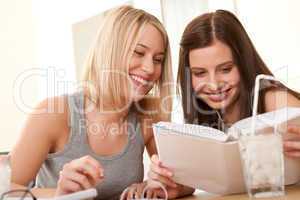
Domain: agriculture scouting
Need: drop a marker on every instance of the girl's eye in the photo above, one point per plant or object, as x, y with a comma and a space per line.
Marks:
158, 60
139, 53
226, 69
198, 74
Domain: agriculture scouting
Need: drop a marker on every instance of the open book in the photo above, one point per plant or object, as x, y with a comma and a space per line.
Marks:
209, 159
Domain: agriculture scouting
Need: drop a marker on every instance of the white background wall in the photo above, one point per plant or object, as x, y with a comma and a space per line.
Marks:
37, 34
17, 54
274, 28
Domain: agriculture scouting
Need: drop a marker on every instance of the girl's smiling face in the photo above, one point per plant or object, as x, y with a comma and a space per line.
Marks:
215, 77
147, 60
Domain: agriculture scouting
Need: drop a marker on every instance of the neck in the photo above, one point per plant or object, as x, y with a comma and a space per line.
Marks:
232, 113
111, 117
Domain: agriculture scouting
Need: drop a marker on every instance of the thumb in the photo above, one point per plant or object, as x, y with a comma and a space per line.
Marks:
294, 129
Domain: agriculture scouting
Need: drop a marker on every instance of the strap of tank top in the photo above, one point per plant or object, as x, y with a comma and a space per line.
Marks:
76, 116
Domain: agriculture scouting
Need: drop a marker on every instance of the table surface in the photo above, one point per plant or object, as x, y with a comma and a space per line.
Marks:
292, 193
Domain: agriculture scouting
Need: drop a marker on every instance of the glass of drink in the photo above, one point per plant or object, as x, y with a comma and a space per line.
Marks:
262, 160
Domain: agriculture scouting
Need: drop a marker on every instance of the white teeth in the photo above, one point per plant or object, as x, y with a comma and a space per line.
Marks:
219, 93
140, 80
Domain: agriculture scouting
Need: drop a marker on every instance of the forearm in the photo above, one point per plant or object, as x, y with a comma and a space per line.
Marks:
38, 192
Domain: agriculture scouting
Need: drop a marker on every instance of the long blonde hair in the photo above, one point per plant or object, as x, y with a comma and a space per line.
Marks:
107, 64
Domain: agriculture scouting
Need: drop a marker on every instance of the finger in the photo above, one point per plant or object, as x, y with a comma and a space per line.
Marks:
286, 146
155, 159
149, 194
164, 180
287, 149
160, 193
86, 166
155, 162
68, 186
139, 190
294, 154
72, 186
131, 192
152, 184
155, 194
161, 170
294, 129
79, 178
92, 163
292, 145
124, 194
78, 168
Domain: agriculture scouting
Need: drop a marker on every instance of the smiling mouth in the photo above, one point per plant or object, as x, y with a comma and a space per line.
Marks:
218, 96
140, 81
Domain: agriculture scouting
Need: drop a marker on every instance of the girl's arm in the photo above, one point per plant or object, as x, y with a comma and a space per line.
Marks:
279, 99
39, 135
38, 192
276, 99
46, 131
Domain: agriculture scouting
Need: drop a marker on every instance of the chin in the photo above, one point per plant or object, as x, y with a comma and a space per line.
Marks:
217, 106
220, 105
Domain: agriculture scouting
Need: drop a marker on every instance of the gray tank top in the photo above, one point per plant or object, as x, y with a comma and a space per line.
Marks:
120, 170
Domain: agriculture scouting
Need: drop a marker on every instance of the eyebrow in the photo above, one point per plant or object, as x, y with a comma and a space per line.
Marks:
225, 63
219, 65
146, 47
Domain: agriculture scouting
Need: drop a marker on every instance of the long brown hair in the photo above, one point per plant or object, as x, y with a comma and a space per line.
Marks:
201, 32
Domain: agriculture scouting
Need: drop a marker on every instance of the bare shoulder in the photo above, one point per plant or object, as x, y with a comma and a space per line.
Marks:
50, 115
276, 99
44, 126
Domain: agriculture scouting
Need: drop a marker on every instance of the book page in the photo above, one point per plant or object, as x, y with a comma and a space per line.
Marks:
193, 130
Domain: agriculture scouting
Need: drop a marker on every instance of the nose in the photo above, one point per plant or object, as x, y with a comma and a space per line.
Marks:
214, 82
148, 65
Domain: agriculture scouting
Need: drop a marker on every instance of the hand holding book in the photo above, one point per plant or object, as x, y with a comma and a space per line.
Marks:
161, 174
292, 145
